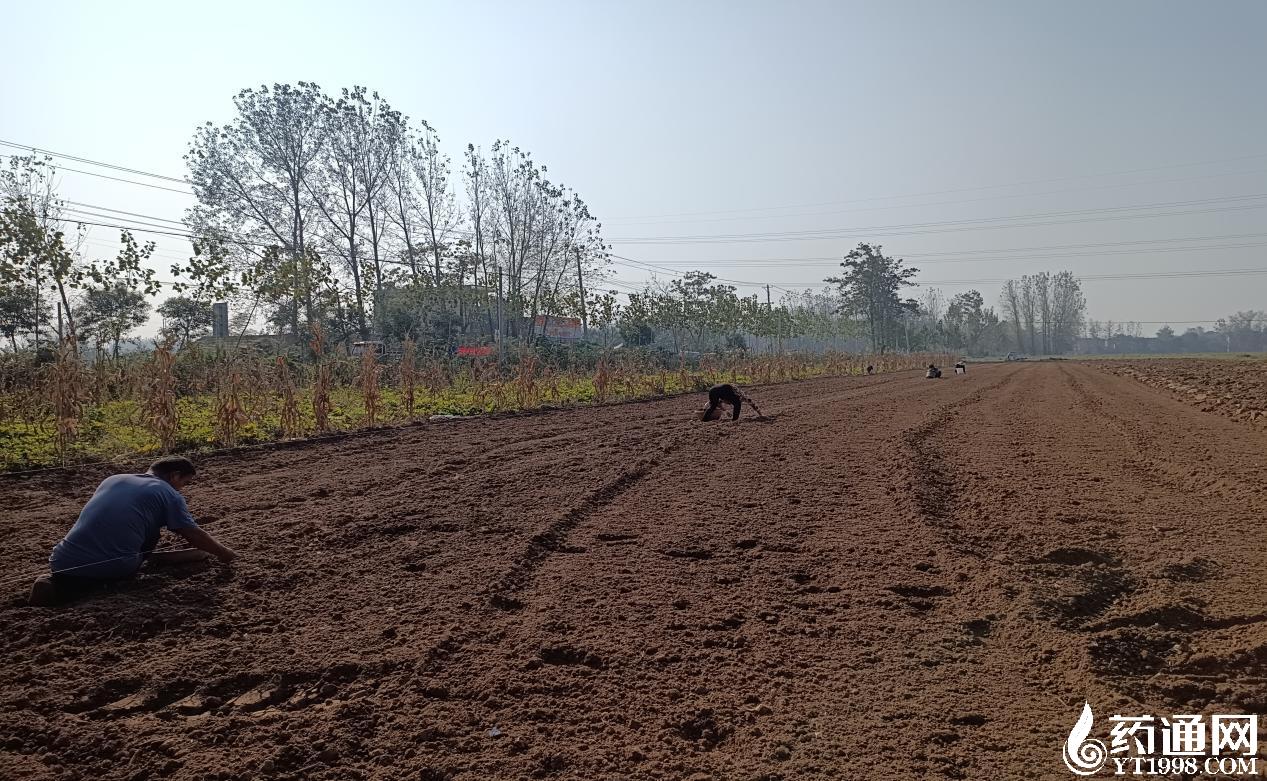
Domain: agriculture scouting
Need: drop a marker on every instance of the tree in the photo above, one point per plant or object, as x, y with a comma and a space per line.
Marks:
32, 248
1049, 308
870, 287
437, 207
1029, 311
353, 172
297, 289
604, 312
1011, 302
110, 313
115, 298
184, 319
1244, 331
968, 320
254, 177
1066, 311
19, 312
209, 275
354, 181
127, 268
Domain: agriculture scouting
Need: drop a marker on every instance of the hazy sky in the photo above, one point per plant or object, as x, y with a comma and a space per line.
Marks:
708, 119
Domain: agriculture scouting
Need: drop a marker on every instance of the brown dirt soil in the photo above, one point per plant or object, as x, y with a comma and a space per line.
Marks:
1236, 388
892, 577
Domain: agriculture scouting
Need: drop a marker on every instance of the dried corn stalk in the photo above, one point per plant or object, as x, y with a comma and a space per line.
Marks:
160, 404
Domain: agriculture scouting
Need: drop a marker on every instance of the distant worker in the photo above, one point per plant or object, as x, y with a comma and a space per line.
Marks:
727, 394
933, 372
870, 369
961, 368
118, 530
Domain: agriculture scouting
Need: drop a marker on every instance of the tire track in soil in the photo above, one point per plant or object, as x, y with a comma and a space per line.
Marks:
549, 654
1133, 622
1187, 475
554, 538
931, 480
1179, 639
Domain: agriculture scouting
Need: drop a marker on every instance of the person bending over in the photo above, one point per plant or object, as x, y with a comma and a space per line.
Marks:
727, 394
933, 372
118, 530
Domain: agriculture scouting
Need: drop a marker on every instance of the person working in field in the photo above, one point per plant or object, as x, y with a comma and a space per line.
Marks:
118, 530
727, 394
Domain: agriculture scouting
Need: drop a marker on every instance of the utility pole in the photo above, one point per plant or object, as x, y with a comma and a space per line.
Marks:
769, 307
580, 282
501, 335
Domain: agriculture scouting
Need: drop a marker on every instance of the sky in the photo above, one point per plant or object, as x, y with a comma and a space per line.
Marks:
978, 140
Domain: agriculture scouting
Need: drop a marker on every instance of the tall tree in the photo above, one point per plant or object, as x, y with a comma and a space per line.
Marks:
353, 172
184, 319
1011, 302
19, 312
968, 319
871, 287
254, 177
1067, 311
436, 203
1029, 311
33, 253
111, 312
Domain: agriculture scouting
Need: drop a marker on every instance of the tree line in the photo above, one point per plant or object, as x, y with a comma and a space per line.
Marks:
334, 209
340, 211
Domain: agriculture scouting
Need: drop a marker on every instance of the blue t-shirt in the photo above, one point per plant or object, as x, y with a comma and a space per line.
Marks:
119, 523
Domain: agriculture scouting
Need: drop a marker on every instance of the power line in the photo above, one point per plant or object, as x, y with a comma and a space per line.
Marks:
815, 235
120, 211
641, 264
117, 179
835, 259
939, 203
965, 189
1089, 277
834, 262
139, 223
111, 166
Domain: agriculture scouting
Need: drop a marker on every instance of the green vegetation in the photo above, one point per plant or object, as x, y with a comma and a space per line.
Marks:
121, 425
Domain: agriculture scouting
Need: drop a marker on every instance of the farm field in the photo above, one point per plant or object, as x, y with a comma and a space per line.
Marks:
891, 577
1236, 388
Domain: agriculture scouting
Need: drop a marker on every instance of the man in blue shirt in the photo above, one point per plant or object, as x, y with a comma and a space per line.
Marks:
119, 527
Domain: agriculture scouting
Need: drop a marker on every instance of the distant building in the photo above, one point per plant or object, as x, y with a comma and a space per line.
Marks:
220, 319
569, 329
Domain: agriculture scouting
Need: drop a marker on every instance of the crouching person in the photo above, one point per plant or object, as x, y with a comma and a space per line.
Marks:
118, 530
727, 395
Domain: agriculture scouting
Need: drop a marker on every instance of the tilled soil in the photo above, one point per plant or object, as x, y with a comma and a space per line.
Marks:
1236, 388
892, 577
